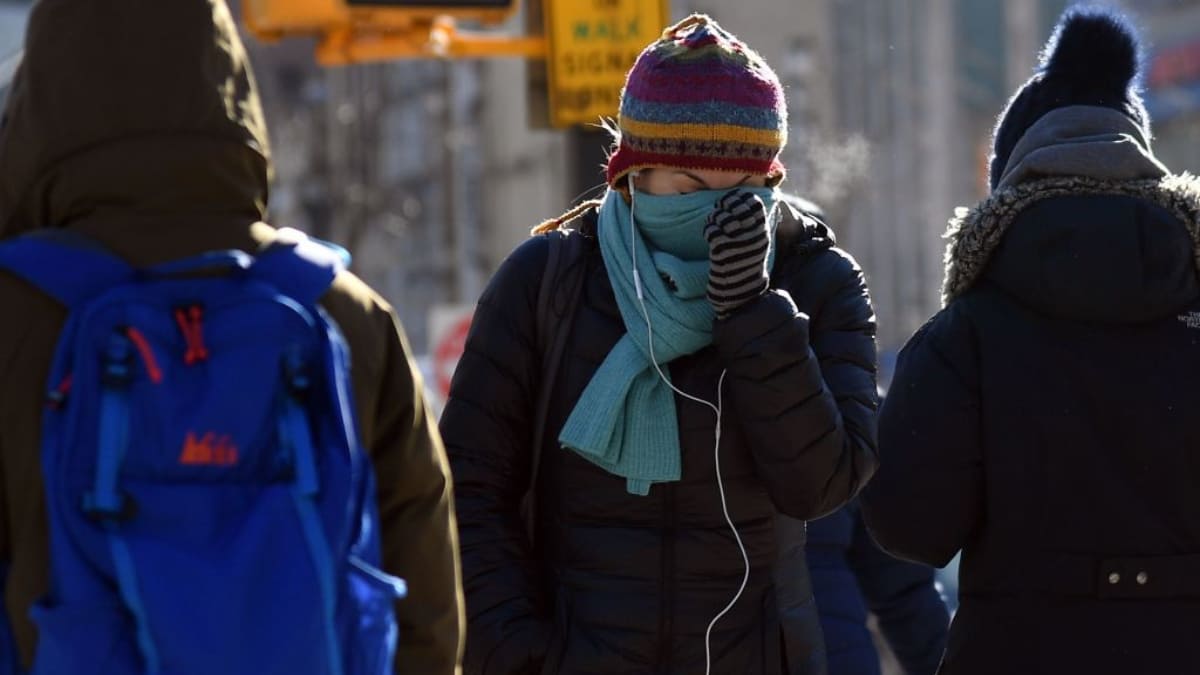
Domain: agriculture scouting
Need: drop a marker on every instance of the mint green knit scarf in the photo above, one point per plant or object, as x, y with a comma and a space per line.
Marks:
625, 419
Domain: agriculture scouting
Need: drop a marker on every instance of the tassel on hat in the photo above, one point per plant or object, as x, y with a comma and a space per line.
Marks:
1093, 58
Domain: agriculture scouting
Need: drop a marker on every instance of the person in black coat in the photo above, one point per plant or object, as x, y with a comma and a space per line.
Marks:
658, 534
1044, 421
852, 579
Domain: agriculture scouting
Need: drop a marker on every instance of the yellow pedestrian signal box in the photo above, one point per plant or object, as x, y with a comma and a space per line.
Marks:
280, 18
592, 44
486, 10
588, 45
440, 5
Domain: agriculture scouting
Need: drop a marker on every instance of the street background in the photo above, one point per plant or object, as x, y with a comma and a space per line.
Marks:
431, 171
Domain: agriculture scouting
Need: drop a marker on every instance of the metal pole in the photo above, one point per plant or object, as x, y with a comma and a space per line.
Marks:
464, 228
939, 142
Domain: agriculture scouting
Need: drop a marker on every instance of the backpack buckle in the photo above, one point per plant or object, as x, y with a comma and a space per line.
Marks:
295, 371
118, 362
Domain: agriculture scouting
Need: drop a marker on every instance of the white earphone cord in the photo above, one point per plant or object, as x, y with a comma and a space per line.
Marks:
637, 284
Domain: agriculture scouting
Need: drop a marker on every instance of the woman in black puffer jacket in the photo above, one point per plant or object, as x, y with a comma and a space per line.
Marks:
630, 564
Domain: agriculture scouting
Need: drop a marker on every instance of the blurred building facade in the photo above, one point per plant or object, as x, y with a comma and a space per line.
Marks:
923, 81
387, 160
1173, 78
431, 171
13, 16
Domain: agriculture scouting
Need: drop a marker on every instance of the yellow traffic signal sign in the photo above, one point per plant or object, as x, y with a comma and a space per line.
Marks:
439, 5
593, 44
588, 45
271, 19
487, 11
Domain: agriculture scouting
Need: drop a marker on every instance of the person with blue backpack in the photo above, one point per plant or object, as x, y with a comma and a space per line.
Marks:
215, 454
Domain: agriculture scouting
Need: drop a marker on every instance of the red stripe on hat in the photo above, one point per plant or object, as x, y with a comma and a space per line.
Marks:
625, 159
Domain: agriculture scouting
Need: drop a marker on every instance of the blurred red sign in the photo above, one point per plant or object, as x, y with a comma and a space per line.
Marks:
448, 336
1176, 65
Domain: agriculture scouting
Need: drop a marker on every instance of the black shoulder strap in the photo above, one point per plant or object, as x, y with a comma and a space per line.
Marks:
553, 326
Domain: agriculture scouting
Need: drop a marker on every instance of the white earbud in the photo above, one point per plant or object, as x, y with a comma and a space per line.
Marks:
637, 279
637, 285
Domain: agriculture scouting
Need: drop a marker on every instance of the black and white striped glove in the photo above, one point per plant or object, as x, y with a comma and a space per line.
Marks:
737, 251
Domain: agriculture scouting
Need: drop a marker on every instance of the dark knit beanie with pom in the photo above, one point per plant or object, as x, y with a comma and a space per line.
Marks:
1093, 58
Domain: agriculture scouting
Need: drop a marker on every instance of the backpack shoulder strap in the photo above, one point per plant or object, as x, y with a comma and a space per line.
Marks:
73, 268
566, 249
64, 264
303, 269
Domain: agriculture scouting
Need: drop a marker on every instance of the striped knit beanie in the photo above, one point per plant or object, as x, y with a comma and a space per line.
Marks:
699, 98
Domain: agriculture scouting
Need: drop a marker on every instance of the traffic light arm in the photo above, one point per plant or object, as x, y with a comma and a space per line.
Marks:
440, 38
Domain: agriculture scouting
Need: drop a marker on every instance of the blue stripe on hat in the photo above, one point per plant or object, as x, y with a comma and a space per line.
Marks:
711, 112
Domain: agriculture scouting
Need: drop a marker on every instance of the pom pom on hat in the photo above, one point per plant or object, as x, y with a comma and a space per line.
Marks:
1093, 58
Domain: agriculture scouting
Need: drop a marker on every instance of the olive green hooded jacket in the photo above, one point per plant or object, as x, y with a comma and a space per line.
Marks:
137, 122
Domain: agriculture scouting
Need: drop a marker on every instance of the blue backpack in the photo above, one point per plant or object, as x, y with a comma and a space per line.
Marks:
211, 510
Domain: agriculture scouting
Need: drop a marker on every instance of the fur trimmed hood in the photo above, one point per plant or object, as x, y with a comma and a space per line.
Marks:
975, 234
1085, 223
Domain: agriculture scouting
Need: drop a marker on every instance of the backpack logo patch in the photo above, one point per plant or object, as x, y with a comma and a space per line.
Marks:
208, 450
1191, 319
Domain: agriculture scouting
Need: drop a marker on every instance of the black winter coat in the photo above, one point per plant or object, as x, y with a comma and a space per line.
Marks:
620, 583
1045, 422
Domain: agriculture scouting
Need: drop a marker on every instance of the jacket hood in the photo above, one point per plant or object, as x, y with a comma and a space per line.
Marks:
1082, 140
1085, 224
1083, 248
124, 107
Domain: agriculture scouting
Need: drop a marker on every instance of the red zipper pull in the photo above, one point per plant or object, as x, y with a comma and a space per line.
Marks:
198, 332
191, 324
143, 347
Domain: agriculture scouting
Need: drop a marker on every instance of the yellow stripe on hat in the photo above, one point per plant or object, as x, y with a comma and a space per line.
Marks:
704, 132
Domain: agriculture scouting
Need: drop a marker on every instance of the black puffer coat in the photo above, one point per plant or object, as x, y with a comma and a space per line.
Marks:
1045, 423
627, 584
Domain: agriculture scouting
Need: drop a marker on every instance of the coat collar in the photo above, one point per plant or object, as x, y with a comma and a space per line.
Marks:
974, 234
